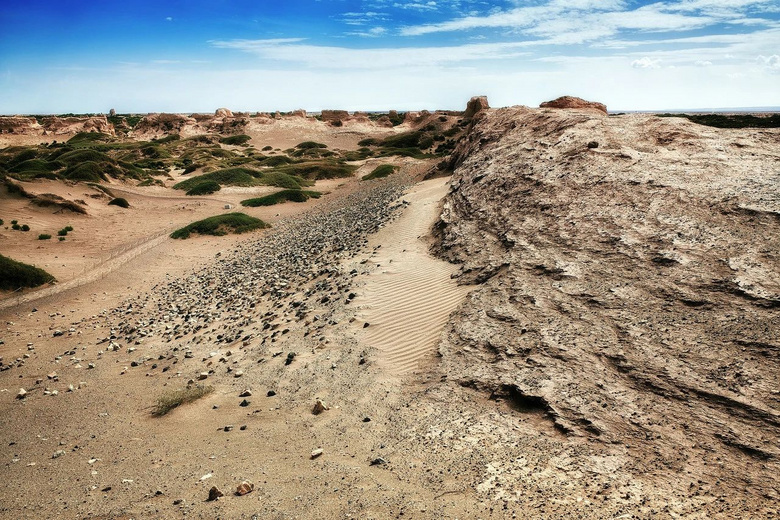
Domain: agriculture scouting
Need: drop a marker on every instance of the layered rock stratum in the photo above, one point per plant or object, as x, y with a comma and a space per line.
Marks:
629, 291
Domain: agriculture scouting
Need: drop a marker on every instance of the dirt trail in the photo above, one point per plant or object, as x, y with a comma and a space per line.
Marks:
410, 294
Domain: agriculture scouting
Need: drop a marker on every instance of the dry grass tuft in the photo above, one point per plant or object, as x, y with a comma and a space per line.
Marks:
170, 400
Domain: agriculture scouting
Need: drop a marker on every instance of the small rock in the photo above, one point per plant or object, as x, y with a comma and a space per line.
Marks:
316, 453
214, 494
202, 376
319, 407
366, 324
244, 403
58, 333
244, 488
366, 419
21, 394
245, 393
379, 461
57, 454
238, 373
270, 393
228, 428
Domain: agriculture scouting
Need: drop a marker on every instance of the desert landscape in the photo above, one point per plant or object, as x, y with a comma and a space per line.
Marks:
552, 312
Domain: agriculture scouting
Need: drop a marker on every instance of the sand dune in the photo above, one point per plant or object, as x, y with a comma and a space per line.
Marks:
409, 294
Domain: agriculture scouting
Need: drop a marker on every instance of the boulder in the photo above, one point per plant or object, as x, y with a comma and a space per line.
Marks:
319, 407
223, 112
475, 105
332, 116
574, 102
244, 488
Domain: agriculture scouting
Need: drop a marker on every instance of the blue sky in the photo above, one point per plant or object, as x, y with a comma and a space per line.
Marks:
197, 55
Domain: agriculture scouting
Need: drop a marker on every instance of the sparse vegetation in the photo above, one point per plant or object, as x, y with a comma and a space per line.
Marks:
44, 236
204, 188
236, 140
731, 120
221, 225
119, 201
281, 196
383, 170
175, 398
25, 227
17, 275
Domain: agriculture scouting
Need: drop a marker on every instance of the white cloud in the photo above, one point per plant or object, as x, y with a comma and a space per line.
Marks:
646, 63
291, 50
703, 63
169, 19
770, 63
374, 32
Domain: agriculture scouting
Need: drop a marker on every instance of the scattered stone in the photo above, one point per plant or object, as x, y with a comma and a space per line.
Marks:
245, 393
238, 373
379, 461
366, 419
270, 393
21, 394
58, 454
319, 407
316, 453
228, 428
214, 494
244, 403
244, 488
58, 333
202, 376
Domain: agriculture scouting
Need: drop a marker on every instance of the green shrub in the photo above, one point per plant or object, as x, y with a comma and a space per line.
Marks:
62, 232
235, 140
308, 145
226, 177
2, 222
383, 170
316, 170
170, 400
25, 227
204, 188
62, 239
16, 275
89, 171
281, 196
119, 201
283, 180
192, 167
220, 225
16, 227
14, 222
369, 141
266, 148
44, 236
85, 138
276, 160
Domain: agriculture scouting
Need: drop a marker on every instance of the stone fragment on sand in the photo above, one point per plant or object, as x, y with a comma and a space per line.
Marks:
316, 453
21, 394
319, 407
244, 488
379, 461
238, 373
202, 376
57, 454
214, 494
246, 393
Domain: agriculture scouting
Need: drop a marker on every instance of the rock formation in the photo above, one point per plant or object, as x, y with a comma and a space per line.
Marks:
223, 112
574, 102
627, 297
475, 105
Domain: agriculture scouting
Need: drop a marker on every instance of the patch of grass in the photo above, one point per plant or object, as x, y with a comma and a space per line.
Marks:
369, 141
86, 138
732, 120
281, 196
221, 225
44, 236
89, 171
204, 188
307, 145
276, 160
284, 180
383, 170
119, 201
25, 227
316, 170
16, 275
175, 398
236, 140
224, 177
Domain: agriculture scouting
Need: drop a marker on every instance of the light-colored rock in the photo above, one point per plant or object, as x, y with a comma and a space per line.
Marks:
574, 102
319, 407
316, 453
244, 488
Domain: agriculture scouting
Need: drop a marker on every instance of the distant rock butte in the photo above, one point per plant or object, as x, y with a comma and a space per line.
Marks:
574, 102
223, 112
475, 105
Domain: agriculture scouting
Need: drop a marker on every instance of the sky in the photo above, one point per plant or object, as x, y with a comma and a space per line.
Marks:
60, 56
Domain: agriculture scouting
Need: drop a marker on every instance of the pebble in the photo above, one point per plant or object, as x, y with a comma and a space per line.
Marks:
316, 453
214, 494
244, 488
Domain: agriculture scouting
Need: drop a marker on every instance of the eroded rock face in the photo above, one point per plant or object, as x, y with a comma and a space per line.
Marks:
164, 124
330, 116
574, 102
20, 125
629, 291
71, 125
475, 105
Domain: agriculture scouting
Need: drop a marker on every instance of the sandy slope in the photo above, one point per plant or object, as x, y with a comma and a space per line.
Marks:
409, 295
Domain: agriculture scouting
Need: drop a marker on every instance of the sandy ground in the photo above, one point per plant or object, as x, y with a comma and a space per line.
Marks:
408, 297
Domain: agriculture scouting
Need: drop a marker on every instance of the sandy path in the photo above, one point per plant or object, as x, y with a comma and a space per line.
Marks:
407, 299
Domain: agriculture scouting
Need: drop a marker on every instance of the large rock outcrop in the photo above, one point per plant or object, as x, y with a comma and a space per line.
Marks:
574, 102
475, 105
629, 293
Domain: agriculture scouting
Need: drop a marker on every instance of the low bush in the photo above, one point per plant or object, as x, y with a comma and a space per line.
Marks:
280, 197
44, 236
221, 225
225, 177
204, 188
172, 399
383, 170
25, 227
17, 275
119, 201
307, 145
236, 140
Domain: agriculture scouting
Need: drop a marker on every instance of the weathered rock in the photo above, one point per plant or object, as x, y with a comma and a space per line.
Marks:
214, 494
475, 105
316, 453
319, 407
574, 102
223, 112
244, 488
21, 394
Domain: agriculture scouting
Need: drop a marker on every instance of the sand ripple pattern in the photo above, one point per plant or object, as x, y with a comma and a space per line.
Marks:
409, 297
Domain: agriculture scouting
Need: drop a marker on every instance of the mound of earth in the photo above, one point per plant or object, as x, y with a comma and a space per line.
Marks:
574, 102
629, 296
